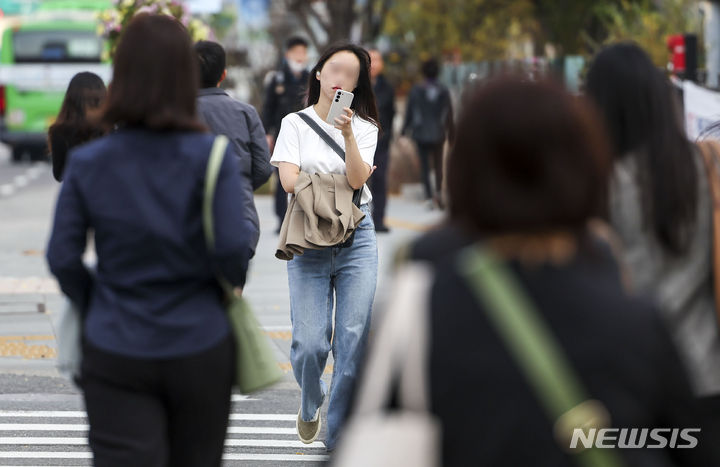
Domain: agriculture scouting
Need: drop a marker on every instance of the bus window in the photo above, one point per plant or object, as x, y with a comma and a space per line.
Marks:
57, 47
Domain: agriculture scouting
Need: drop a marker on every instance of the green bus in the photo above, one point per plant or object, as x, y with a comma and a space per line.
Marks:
39, 55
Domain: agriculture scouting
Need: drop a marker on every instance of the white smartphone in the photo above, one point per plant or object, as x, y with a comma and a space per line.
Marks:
341, 99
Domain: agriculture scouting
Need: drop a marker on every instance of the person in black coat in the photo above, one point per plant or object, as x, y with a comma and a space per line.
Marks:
284, 94
238, 121
85, 94
385, 97
507, 196
429, 121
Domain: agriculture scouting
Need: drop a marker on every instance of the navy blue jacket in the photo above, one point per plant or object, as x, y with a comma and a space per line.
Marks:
154, 294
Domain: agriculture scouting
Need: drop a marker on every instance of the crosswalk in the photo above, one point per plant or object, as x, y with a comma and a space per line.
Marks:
59, 437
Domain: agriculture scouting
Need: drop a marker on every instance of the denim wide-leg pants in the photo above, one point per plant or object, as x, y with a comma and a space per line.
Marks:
319, 279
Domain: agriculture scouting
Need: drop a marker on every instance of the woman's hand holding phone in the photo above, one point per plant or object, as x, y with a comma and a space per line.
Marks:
343, 122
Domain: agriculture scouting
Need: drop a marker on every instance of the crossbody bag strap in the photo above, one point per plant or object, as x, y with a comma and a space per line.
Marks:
357, 194
537, 353
709, 152
217, 154
323, 134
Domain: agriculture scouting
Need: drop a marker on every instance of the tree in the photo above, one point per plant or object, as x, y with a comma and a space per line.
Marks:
568, 24
476, 29
649, 23
487, 29
328, 21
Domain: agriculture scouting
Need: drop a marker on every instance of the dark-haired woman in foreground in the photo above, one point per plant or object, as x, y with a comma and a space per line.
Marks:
158, 354
74, 126
529, 170
345, 276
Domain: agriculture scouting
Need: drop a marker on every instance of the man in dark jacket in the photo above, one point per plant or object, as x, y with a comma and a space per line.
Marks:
238, 121
429, 120
385, 96
284, 94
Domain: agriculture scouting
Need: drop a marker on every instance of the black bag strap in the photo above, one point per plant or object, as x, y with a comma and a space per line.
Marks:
357, 194
323, 134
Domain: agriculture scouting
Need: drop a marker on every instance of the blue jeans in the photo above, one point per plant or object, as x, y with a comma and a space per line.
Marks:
350, 275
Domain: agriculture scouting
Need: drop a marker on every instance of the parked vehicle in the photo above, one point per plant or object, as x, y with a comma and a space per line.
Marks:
39, 56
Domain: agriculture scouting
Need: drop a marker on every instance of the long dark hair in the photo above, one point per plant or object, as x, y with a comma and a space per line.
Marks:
86, 91
155, 77
636, 101
364, 101
77, 120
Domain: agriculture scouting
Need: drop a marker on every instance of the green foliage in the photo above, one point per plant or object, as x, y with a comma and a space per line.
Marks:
476, 29
649, 23
566, 24
493, 29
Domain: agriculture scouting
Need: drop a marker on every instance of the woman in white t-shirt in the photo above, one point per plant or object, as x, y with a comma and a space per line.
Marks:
345, 276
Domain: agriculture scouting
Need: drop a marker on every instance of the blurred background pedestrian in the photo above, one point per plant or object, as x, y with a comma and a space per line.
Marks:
660, 206
238, 121
385, 96
285, 93
77, 121
429, 121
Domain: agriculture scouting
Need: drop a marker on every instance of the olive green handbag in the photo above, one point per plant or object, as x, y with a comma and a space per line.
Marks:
256, 367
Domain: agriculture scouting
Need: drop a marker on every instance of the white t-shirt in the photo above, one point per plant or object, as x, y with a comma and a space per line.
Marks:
298, 144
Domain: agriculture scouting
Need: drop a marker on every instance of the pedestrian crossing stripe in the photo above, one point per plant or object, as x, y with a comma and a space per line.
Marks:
35, 435
260, 430
226, 456
80, 414
229, 442
240, 398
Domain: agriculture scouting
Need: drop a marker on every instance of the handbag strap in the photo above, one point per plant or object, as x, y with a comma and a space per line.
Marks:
217, 154
357, 194
400, 347
709, 152
537, 353
323, 134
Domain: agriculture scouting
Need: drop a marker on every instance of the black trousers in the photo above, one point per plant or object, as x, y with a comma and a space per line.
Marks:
281, 197
156, 413
431, 153
378, 182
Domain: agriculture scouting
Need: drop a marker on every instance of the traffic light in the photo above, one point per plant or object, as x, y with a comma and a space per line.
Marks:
683, 55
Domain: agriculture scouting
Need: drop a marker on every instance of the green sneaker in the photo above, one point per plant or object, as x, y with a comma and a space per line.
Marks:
308, 431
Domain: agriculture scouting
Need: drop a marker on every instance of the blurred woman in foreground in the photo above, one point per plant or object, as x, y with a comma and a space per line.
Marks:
529, 170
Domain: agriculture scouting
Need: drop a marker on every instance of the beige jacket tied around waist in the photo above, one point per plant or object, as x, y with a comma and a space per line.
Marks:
320, 215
